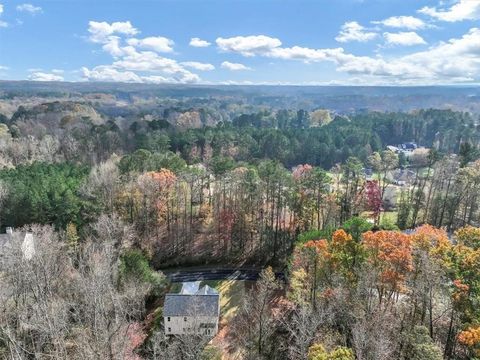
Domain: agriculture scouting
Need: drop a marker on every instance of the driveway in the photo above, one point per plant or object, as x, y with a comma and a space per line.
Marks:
215, 273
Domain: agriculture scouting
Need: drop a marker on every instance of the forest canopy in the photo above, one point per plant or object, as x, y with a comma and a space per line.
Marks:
361, 230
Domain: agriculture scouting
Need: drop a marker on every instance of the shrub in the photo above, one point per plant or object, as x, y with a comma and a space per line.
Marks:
135, 264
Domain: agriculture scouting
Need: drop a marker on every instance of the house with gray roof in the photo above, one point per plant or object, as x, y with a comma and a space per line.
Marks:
192, 311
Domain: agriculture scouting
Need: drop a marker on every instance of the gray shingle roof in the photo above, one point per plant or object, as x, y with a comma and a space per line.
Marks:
190, 287
191, 305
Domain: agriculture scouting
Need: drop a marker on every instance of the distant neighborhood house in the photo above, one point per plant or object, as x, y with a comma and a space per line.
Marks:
401, 177
368, 173
406, 149
24, 239
192, 311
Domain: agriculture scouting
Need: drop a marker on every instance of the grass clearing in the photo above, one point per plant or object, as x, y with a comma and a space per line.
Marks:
232, 294
389, 217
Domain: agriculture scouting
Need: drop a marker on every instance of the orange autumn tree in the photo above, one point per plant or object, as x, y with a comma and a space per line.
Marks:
391, 253
468, 236
346, 254
431, 255
470, 338
310, 266
160, 183
316, 263
466, 281
466, 265
340, 255
465, 262
432, 240
340, 239
320, 256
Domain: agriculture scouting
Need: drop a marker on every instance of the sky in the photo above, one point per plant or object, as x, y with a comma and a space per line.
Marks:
300, 42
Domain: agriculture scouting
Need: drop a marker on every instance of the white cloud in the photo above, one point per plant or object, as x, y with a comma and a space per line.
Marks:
407, 22
248, 45
262, 45
3, 24
244, 82
147, 61
234, 66
302, 53
29, 8
461, 10
353, 31
42, 76
156, 43
197, 42
3, 67
403, 38
136, 60
454, 61
156, 79
448, 62
186, 78
100, 31
113, 47
198, 65
109, 73
40, 70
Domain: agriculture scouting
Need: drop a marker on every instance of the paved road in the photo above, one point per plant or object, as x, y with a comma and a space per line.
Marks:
215, 274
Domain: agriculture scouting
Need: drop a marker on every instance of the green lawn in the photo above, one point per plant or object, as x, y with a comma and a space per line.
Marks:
387, 217
232, 293
390, 216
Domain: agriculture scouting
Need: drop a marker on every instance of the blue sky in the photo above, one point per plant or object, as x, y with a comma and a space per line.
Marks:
394, 42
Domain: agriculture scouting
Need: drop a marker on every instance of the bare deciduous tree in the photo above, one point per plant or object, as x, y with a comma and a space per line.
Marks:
302, 327
51, 309
255, 323
103, 183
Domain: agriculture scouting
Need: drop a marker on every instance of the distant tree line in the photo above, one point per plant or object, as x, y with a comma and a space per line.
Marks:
241, 189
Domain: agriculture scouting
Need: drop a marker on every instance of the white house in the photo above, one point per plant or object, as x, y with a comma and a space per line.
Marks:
408, 149
192, 311
25, 240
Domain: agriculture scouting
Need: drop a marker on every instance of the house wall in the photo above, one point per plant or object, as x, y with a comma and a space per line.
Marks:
178, 325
